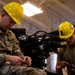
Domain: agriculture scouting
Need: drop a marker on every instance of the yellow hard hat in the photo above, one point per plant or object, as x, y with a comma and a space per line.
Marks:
15, 10
66, 30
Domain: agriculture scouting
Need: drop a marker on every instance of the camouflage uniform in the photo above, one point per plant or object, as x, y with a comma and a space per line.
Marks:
10, 45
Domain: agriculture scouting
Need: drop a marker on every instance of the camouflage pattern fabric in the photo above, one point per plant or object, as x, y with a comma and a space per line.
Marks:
9, 45
21, 70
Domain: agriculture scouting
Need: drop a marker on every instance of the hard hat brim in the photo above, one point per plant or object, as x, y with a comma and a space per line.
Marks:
17, 21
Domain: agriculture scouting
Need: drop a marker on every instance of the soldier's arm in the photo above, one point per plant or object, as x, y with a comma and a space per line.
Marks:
16, 46
2, 58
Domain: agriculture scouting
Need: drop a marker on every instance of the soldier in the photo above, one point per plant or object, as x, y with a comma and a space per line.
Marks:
66, 55
11, 57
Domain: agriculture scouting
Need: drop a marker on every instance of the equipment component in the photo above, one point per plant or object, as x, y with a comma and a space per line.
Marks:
38, 46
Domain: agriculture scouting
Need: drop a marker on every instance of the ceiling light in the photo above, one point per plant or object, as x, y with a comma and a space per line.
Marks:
31, 10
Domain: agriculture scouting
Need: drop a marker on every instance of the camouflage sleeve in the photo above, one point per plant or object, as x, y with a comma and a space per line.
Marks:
16, 46
2, 58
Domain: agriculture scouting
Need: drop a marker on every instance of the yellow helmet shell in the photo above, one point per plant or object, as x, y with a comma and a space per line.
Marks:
66, 30
15, 11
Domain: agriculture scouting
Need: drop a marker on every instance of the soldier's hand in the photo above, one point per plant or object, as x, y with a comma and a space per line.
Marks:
14, 60
64, 63
27, 60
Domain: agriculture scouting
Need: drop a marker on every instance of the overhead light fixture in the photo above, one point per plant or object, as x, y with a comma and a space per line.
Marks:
30, 9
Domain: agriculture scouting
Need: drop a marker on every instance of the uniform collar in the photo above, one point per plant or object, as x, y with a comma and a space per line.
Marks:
3, 32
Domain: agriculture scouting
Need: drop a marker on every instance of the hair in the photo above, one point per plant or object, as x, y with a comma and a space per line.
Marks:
3, 11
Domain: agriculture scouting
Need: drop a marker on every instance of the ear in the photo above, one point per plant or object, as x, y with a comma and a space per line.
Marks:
2, 15
74, 32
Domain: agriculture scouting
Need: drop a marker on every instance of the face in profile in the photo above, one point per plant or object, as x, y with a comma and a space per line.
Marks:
7, 22
71, 40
